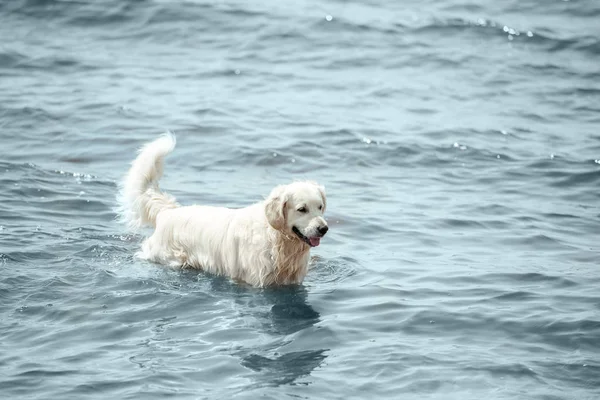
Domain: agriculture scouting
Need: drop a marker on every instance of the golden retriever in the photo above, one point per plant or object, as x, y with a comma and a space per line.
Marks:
267, 243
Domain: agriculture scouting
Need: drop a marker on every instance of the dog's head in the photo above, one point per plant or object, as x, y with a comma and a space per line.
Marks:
297, 209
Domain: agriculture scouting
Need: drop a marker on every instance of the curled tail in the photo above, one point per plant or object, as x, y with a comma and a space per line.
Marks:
140, 198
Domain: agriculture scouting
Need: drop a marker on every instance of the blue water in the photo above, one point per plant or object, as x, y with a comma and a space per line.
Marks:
459, 143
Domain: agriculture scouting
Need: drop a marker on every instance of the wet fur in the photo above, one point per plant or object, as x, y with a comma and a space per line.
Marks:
253, 244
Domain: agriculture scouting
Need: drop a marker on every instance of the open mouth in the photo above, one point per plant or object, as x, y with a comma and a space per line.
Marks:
312, 242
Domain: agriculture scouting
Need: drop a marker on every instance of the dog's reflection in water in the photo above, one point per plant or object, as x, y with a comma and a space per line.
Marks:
286, 368
280, 312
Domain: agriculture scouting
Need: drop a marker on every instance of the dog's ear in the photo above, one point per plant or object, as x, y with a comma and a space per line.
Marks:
322, 191
275, 208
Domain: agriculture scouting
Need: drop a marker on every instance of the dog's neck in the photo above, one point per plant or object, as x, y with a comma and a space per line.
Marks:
289, 256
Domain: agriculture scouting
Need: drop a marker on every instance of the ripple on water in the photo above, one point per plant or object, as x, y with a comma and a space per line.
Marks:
328, 272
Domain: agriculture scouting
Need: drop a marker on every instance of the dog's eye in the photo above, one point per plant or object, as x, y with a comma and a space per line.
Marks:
321, 207
302, 209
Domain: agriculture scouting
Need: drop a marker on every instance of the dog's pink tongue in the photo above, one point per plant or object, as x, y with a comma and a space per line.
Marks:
314, 241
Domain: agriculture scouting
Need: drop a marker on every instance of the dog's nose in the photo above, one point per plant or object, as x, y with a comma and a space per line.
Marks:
323, 229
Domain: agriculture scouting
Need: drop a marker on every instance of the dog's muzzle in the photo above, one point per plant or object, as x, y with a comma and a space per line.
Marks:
312, 241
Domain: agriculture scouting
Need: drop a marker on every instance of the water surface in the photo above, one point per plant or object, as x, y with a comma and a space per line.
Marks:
459, 145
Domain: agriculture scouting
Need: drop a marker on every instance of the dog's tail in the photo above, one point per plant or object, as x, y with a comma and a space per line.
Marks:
140, 198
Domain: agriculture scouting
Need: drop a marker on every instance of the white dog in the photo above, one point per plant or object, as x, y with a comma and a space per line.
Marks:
264, 244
